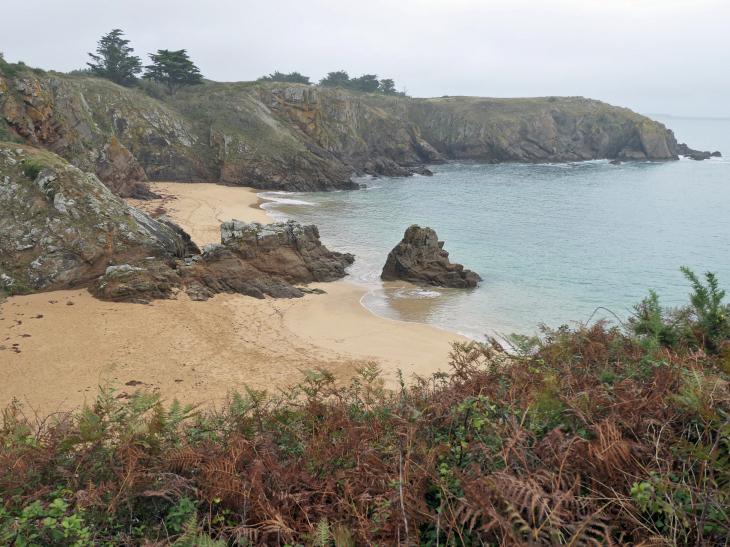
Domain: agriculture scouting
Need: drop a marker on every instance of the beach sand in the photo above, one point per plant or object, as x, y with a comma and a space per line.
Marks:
55, 353
200, 208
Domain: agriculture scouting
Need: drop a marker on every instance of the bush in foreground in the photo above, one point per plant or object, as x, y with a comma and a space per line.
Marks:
590, 436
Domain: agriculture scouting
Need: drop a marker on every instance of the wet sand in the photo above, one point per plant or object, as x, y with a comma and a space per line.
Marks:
55, 354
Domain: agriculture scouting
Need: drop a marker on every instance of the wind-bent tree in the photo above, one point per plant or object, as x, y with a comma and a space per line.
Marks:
387, 86
334, 79
292, 77
173, 69
367, 83
115, 61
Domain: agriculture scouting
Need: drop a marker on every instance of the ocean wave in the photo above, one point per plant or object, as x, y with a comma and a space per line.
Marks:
283, 201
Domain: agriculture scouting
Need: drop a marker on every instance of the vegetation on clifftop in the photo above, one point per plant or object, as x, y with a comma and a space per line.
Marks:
594, 435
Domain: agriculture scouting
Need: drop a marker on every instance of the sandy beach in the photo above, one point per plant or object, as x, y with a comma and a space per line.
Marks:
57, 346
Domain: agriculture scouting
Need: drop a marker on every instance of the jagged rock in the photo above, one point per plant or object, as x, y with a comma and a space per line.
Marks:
253, 260
419, 258
286, 249
716, 154
65, 228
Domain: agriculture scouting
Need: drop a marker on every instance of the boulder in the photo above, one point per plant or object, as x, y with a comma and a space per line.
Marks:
420, 258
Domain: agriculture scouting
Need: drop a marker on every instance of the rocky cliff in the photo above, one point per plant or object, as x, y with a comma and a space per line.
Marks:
52, 114
547, 129
62, 228
303, 138
269, 136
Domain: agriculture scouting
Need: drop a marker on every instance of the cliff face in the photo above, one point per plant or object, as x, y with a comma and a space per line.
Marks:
301, 138
549, 129
50, 113
61, 227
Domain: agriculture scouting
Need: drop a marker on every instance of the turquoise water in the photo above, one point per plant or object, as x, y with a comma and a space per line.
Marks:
552, 242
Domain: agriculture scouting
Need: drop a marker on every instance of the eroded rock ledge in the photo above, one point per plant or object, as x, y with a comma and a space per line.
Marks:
61, 227
420, 258
252, 259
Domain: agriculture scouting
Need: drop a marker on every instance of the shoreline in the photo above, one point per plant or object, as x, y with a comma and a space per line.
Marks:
59, 345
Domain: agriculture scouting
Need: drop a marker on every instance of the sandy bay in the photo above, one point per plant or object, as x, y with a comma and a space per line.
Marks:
55, 353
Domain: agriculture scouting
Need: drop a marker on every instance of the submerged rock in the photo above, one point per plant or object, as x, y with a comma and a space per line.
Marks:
419, 258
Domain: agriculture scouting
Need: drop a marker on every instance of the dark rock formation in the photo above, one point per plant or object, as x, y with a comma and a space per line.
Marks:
63, 228
419, 258
253, 260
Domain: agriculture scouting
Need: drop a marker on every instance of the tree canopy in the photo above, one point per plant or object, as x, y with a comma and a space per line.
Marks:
367, 83
114, 60
173, 69
292, 77
334, 79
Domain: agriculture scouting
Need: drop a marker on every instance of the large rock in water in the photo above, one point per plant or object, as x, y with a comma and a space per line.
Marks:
253, 259
62, 228
420, 258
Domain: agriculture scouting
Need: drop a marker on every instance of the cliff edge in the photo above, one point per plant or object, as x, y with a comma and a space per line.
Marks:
544, 129
295, 137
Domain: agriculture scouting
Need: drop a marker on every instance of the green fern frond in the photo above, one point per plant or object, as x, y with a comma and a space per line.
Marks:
323, 534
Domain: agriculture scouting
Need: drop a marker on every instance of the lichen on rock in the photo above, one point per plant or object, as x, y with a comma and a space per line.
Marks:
64, 228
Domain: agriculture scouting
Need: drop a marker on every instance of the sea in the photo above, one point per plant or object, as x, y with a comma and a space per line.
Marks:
556, 244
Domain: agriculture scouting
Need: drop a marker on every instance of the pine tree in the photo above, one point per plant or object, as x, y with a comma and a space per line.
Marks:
387, 86
115, 61
334, 79
173, 69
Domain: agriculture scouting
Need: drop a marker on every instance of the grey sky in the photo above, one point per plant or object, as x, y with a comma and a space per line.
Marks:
654, 56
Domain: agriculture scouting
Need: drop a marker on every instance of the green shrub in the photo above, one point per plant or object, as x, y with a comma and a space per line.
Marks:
703, 324
583, 437
6, 135
32, 168
10, 69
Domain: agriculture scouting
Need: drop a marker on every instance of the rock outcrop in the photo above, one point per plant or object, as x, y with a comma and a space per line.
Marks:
420, 258
62, 228
50, 113
547, 129
252, 259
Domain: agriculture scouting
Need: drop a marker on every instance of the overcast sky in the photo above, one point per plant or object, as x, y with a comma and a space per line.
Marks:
654, 56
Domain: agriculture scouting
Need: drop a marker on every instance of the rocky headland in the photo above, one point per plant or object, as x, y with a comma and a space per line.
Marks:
543, 129
296, 137
62, 228
420, 258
